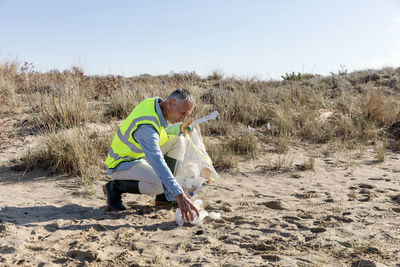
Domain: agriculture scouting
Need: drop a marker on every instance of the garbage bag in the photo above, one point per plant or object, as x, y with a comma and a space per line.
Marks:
196, 169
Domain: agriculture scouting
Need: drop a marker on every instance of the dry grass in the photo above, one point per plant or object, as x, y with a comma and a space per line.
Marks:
382, 108
78, 151
123, 101
309, 163
282, 144
222, 157
380, 148
361, 107
242, 144
225, 154
281, 162
65, 111
9, 99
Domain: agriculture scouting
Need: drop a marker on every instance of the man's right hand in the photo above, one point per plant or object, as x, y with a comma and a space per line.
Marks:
186, 206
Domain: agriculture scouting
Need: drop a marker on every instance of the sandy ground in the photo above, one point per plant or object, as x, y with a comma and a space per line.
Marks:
344, 213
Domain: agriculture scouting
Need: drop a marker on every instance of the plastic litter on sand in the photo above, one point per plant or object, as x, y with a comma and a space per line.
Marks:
196, 220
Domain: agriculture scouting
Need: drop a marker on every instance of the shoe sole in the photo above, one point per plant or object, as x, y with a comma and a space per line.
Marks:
162, 203
165, 203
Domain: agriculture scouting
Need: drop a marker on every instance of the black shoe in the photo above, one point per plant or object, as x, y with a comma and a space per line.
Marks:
114, 199
114, 189
161, 200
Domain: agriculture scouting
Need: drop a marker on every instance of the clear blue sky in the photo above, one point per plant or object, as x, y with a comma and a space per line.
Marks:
246, 38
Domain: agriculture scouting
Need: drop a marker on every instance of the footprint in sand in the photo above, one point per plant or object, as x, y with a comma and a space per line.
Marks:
308, 238
271, 258
309, 194
60, 260
317, 230
343, 219
333, 220
238, 220
363, 195
366, 186
219, 206
82, 256
363, 263
329, 198
396, 199
379, 179
325, 222
258, 246
294, 220
7, 250
275, 205
396, 210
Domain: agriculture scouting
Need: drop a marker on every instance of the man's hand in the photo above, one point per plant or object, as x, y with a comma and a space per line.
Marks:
186, 206
186, 124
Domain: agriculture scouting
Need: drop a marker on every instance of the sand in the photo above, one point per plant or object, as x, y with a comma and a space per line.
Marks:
345, 212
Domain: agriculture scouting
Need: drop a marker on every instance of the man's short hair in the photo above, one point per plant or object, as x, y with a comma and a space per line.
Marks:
182, 94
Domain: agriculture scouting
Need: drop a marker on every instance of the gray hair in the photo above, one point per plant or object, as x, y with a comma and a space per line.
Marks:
182, 94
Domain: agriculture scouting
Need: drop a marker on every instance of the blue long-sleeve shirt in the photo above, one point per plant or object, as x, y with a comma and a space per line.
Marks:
148, 138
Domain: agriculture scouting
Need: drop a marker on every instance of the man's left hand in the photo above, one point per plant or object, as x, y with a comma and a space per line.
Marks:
185, 125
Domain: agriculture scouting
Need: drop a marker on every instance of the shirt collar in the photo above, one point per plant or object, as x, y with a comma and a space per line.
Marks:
163, 121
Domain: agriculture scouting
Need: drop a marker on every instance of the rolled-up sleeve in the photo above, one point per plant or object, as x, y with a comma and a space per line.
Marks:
148, 139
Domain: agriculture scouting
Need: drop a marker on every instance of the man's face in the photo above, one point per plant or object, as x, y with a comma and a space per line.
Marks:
178, 110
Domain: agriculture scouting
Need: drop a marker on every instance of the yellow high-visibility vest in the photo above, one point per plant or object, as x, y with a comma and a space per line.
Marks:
123, 146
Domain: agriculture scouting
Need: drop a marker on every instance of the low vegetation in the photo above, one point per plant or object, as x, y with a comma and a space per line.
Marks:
354, 109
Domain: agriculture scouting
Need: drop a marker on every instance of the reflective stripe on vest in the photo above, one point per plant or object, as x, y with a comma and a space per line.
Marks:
116, 156
124, 137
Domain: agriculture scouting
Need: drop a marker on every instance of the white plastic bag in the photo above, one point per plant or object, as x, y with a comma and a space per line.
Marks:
196, 220
196, 169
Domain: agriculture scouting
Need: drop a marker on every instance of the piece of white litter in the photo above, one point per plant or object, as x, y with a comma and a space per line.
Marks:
324, 116
214, 215
196, 220
370, 150
250, 129
268, 126
208, 117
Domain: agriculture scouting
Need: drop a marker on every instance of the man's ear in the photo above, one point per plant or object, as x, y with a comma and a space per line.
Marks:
171, 101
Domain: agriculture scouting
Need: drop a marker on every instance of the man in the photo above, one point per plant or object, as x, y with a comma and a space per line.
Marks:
143, 135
